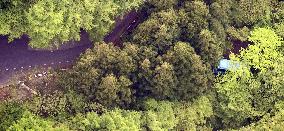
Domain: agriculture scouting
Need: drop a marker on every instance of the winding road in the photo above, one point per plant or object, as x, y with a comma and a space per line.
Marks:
16, 56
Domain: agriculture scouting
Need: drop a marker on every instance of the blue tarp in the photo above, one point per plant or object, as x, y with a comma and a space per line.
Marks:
226, 64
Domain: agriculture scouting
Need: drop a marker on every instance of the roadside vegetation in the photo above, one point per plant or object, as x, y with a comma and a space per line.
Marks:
161, 77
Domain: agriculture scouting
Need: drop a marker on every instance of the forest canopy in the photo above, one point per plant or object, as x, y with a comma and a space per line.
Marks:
51, 21
161, 77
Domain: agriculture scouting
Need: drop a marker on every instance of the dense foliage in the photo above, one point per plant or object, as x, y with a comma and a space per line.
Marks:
49, 23
256, 91
161, 78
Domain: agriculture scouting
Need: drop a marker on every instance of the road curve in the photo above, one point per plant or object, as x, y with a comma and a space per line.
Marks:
16, 56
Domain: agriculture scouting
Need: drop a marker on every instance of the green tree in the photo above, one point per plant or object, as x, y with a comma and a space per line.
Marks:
208, 47
103, 74
57, 105
121, 120
13, 21
218, 28
250, 12
49, 23
194, 18
221, 10
160, 115
145, 72
278, 11
10, 112
163, 4
193, 77
113, 91
194, 116
240, 34
51, 105
246, 95
164, 82
160, 30
30, 121
112, 120
8, 4
181, 115
279, 29
269, 121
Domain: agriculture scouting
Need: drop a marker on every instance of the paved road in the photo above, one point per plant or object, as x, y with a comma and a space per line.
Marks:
17, 56
125, 26
236, 48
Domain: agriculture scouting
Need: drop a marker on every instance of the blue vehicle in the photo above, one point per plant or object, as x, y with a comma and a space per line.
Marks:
225, 65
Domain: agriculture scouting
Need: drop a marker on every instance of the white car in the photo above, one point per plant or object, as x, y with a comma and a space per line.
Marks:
225, 65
